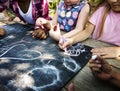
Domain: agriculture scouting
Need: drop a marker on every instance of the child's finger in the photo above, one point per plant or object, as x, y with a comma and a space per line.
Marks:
94, 66
55, 28
96, 69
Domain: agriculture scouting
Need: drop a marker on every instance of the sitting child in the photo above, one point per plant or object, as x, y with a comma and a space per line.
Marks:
104, 26
28, 11
102, 70
70, 16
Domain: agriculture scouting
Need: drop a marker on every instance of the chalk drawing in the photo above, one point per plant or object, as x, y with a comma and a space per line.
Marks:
75, 50
5, 46
48, 73
24, 54
12, 37
47, 68
47, 76
70, 64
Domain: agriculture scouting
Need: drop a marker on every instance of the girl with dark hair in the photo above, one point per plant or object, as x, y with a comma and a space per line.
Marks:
28, 11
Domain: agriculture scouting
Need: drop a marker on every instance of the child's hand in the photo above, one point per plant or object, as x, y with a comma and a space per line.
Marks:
43, 23
65, 44
17, 19
40, 34
101, 68
55, 32
107, 52
2, 32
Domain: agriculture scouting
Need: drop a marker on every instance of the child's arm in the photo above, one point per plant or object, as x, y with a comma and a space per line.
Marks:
47, 23
81, 36
55, 18
102, 70
44, 25
82, 19
55, 33
107, 52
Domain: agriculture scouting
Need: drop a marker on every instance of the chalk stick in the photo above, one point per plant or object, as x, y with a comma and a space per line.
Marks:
94, 57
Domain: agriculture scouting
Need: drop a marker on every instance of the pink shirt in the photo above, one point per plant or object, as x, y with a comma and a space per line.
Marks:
111, 30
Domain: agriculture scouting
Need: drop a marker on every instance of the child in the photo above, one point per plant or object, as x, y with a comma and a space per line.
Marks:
71, 16
101, 69
104, 26
28, 11
104, 71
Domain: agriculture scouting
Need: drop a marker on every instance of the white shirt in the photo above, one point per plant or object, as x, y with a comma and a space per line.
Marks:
28, 15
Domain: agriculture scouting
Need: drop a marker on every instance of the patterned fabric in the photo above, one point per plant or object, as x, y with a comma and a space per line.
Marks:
67, 18
39, 8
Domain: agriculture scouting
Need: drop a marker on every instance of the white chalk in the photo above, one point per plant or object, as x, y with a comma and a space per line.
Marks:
94, 57
64, 40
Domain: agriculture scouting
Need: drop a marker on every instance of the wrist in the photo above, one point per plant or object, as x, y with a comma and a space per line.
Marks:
115, 78
72, 41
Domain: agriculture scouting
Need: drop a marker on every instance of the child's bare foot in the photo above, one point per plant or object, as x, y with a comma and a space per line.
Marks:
71, 87
2, 32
